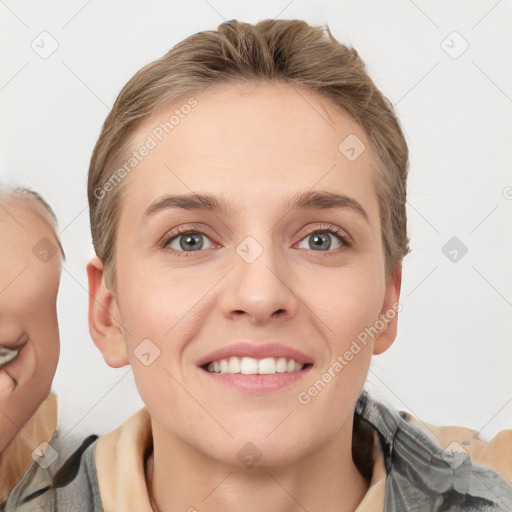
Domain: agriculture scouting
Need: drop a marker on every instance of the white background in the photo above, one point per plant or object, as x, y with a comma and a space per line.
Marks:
451, 361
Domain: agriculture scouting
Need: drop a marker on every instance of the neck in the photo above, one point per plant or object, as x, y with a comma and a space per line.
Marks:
179, 478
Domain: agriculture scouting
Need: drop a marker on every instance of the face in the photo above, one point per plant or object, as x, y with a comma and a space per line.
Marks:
283, 281
30, 266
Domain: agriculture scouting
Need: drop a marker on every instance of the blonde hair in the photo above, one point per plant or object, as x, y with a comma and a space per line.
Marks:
288, 51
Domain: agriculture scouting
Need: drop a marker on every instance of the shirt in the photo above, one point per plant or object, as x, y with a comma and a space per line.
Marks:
17, 456
416, 467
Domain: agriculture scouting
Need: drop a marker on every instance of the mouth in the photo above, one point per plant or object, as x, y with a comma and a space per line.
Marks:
255, 376
256, 368
9, 351
8, 354
252, 366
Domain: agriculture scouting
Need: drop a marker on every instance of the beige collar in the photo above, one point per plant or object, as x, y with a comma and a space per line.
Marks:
120, 466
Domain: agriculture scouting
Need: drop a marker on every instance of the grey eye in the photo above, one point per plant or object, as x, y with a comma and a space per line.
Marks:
8, 354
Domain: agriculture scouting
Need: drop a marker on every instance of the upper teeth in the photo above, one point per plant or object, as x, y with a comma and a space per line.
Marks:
249, 365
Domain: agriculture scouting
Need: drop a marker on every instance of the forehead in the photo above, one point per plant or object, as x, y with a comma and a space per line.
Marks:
20, 207
257, 140
28, 237
24, 221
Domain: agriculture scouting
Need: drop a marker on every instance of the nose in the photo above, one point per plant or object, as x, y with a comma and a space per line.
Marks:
259, 287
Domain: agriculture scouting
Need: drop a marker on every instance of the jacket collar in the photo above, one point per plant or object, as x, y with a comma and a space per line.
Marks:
120, 465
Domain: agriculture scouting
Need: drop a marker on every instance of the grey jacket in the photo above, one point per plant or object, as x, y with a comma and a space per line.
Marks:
420, 475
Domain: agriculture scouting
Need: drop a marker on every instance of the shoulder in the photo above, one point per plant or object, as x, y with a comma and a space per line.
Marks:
495, 453
440, 466
68, 486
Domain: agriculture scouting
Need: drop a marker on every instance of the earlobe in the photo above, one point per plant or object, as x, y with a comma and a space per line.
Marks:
389, 314
104, 320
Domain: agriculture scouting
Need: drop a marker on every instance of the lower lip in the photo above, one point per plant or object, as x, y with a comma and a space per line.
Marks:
259, 383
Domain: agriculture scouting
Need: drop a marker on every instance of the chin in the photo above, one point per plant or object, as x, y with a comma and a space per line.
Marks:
252, 451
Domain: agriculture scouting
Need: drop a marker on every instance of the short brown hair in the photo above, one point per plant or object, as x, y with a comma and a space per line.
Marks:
288, 51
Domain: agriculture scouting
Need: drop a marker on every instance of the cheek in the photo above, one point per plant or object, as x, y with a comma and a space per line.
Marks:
347, 304
43, 331
40, 286
150, 310
161, 306
33, 386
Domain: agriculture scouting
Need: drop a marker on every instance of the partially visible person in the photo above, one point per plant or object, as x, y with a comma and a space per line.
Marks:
31, 257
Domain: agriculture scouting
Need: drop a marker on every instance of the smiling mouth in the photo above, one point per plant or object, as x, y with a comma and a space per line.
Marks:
8, 354
252, 366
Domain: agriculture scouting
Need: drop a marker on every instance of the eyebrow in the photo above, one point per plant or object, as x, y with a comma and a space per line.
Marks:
312, 200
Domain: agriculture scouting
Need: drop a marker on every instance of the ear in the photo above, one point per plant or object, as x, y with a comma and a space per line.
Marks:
104, 319
389, 313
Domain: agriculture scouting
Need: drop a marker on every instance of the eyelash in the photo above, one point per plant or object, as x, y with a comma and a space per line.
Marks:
323, 228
